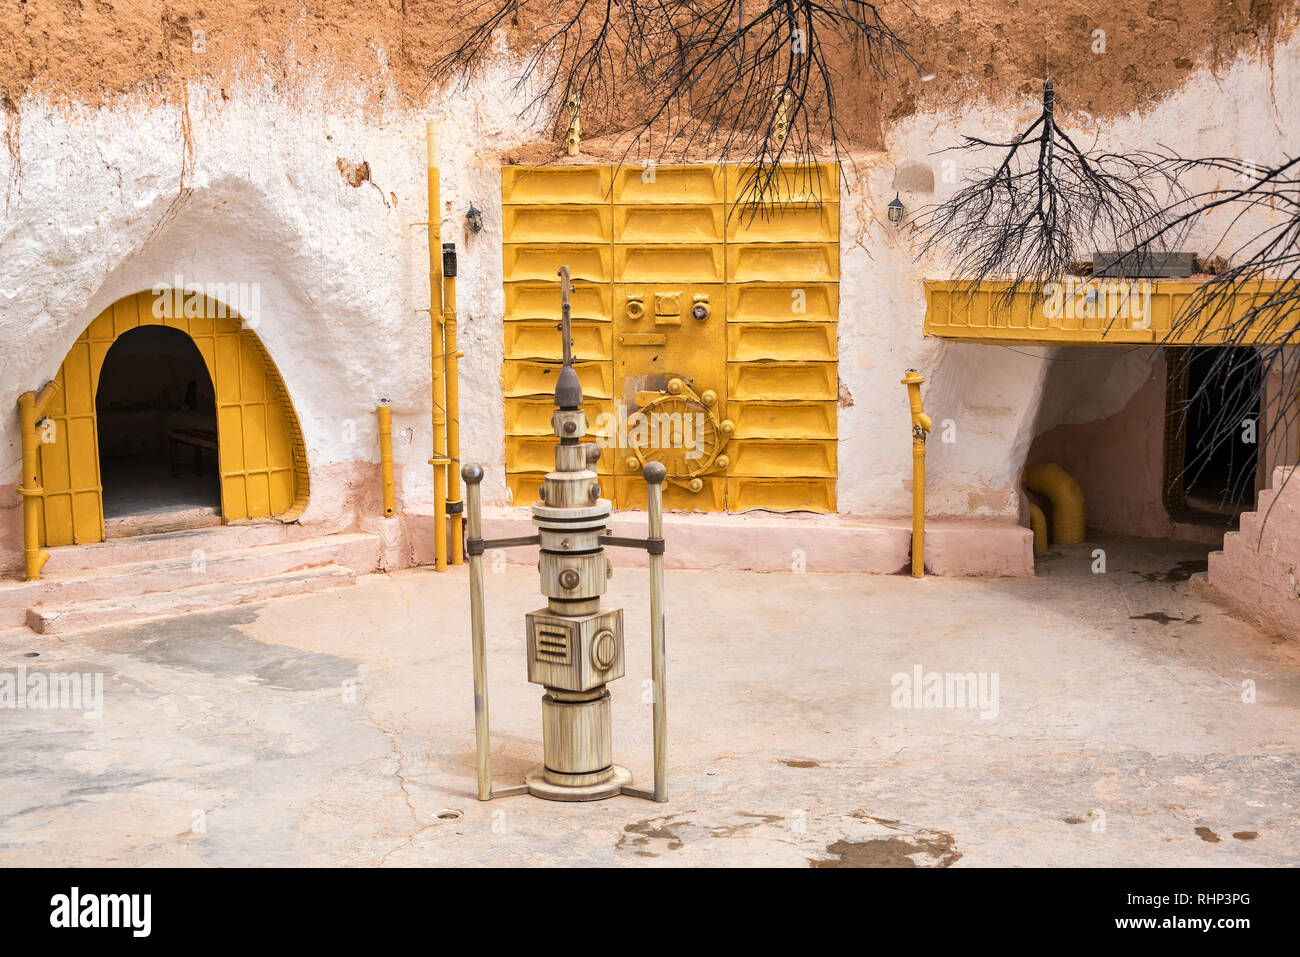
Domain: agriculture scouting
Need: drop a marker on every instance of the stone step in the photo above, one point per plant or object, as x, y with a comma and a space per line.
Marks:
189, 565
175, 544
55, 619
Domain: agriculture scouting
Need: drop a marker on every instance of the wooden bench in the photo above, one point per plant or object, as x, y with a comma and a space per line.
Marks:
198, 439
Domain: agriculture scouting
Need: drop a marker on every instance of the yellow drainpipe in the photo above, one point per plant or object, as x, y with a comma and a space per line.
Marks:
1038, 525
455, 508
386, 458
31, 407
439, 461
1068, 518
920, 427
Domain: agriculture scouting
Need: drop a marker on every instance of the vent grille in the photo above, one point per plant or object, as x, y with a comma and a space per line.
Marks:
553, 646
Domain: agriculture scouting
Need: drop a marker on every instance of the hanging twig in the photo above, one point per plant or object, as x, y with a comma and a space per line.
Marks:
717, 76
1046, 205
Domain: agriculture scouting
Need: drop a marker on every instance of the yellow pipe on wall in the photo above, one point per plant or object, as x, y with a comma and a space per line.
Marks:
451, 357
31, 407
1068, 516
439, 461
1038, 525
920, 428
386, 459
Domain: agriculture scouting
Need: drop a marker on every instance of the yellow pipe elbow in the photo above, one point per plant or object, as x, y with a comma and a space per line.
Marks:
1068, 514
1038, 525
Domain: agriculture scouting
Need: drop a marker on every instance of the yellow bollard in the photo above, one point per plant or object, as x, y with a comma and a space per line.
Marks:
31, 407
920, 427
386, 459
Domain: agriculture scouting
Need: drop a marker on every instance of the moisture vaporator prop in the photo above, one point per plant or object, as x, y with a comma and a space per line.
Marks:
574, 645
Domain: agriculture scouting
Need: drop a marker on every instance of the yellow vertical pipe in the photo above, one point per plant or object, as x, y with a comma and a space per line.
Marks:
30, 409
449, 351
920, 427
386, 458
439, 460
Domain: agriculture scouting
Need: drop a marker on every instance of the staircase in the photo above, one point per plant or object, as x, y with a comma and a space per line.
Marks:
145, 577
1258, 576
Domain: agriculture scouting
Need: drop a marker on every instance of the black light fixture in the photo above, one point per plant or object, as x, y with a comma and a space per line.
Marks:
895, 209
474, 218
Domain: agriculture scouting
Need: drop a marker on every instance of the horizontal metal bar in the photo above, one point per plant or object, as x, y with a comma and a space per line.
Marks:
476, 546
655, 546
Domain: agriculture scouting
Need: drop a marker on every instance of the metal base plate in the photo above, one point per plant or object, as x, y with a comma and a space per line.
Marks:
538, 786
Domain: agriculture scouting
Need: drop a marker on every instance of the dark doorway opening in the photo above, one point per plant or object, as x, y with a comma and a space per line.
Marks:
157, 418
1214, 404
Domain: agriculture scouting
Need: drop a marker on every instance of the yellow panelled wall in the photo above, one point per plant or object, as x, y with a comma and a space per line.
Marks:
261, 455
644, 250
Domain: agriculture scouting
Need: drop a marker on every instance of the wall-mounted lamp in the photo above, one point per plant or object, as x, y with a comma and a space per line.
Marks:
474, 218
895, 209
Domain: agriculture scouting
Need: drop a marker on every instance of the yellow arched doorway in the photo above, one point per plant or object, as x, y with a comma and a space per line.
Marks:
261, 457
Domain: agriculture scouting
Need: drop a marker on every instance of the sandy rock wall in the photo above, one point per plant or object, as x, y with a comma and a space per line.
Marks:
262, 183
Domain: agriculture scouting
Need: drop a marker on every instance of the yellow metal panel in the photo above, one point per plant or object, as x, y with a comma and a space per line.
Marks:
669, 184
783, 262
539, 262
783, 459
781, 495
784, 340
523, 378
538, 300
801, 185
556, 224
798, 224
757, 381
537, 340
783, 420
1078, 312
533, 416
537, 454
673, 264
782, 302
547, 185
630, 492
669, 224
764, 354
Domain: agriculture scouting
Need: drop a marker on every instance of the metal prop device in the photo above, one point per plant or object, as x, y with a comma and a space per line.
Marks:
574, 646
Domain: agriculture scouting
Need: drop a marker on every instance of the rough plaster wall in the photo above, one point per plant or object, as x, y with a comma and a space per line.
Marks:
94, 215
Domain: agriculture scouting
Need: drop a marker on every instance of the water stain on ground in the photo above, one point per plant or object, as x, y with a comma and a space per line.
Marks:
912, 848
799, 763
1179, 573
1164, 619
1245, 835
1206, 835
673, 833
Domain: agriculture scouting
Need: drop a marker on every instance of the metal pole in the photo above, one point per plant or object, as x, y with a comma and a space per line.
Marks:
920, 427
452, 366
654, 475
439, 459
386, 459
473, 475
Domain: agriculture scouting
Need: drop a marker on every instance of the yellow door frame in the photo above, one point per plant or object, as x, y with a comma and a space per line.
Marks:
261, 455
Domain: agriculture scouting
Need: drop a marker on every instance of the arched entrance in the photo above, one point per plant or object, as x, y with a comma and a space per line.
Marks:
156, 425
261, 460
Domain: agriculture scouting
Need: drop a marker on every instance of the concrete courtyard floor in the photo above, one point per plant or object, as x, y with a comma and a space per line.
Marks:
337, 729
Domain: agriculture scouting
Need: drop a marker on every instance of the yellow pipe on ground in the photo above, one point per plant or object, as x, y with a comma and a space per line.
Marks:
920, 428
386, 458
31, 407
451, 356
1068, 517
1038, 525
439, 461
